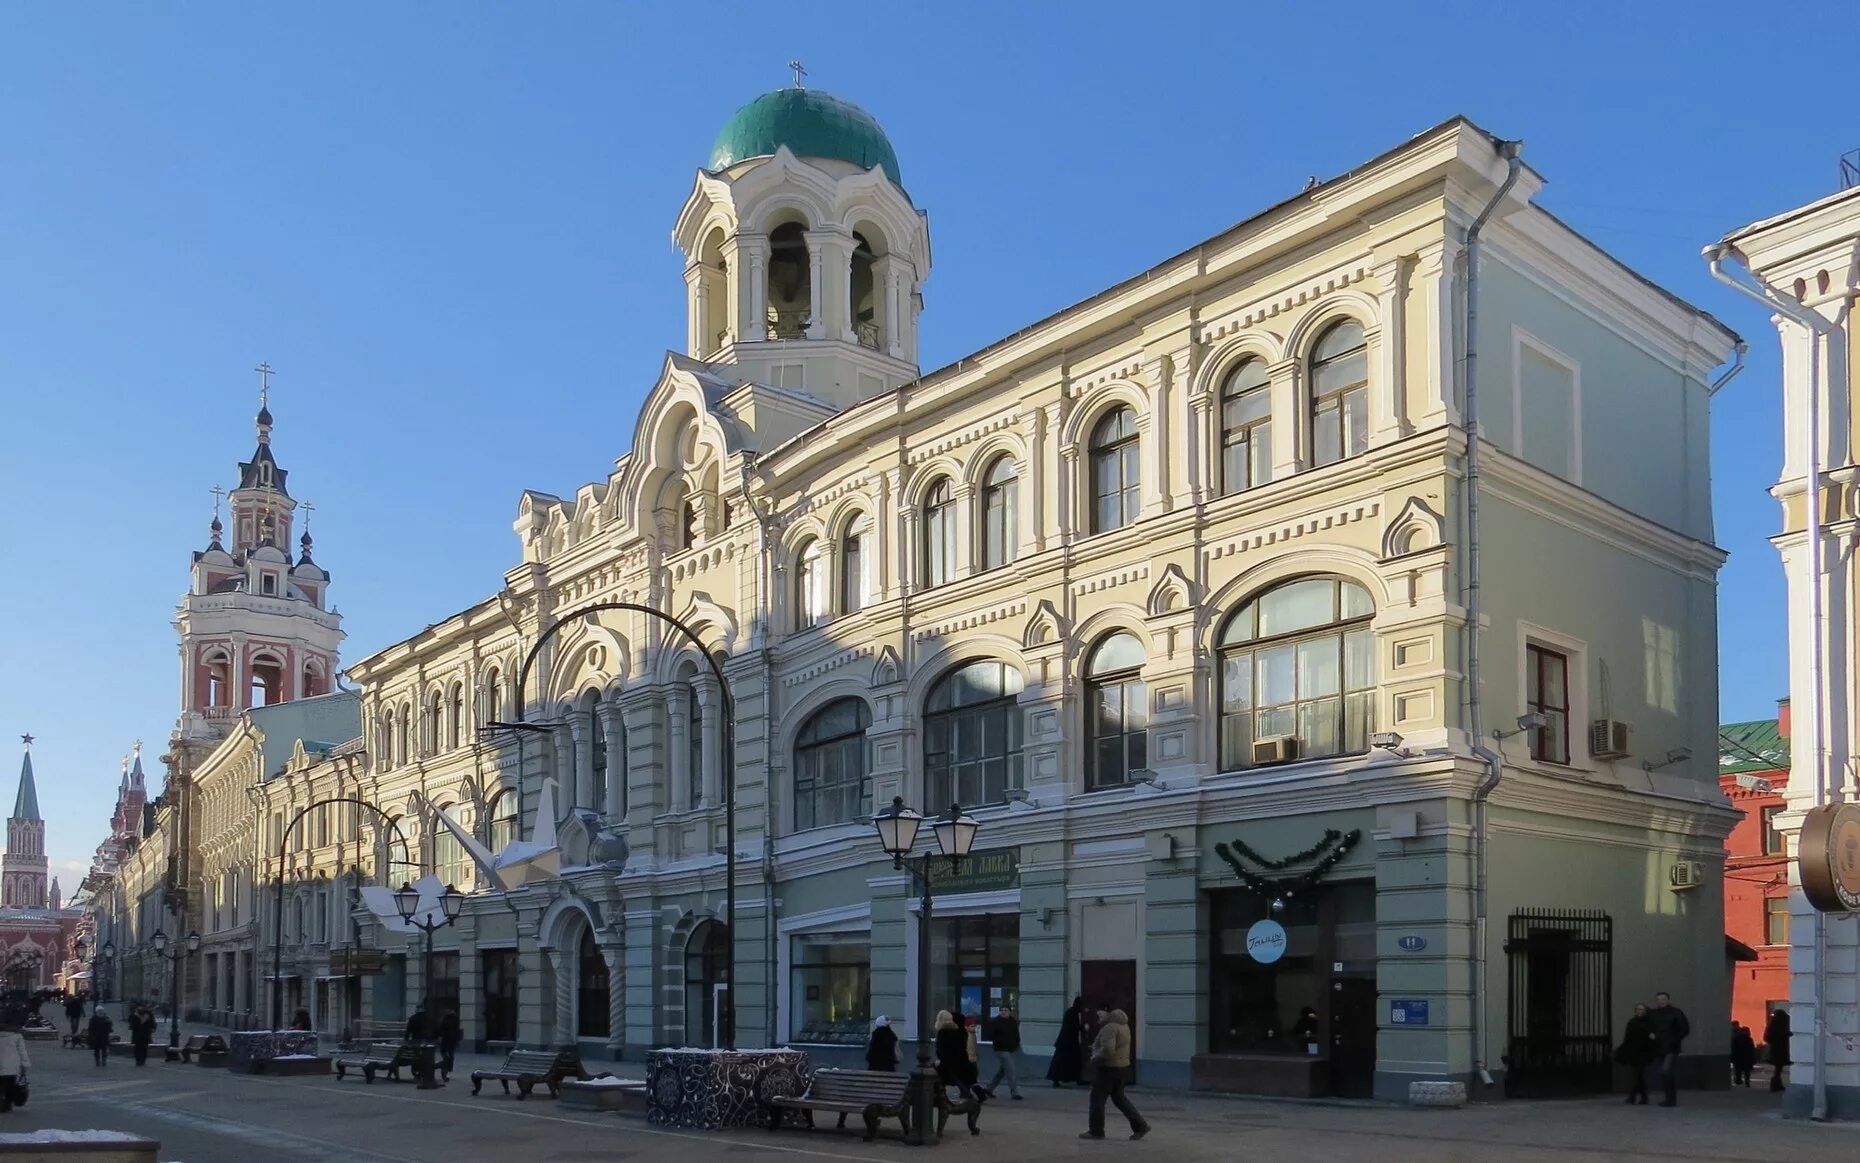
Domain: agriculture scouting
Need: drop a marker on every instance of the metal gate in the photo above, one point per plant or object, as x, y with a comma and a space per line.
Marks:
1560, 1033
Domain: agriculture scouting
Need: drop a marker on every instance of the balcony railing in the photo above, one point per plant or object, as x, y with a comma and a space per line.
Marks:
787, 325
868, 335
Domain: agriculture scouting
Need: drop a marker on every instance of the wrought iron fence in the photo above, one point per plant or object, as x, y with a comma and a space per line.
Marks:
1560, 1033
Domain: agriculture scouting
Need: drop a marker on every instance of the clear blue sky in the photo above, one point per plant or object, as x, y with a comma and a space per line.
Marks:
448, 227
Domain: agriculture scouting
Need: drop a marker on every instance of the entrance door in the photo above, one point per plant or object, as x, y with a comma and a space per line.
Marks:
1114, 982
705, 984
1353, 1037
498, 968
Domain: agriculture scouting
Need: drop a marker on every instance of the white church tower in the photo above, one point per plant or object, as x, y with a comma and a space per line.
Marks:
255, 626
805, 258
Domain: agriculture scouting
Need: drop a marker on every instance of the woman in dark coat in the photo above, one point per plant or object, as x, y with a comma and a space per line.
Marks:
450, 1035
1776, 1035
1069, 1047
100, 1028
141, 1033
953, 1067
881, 1050
1640, 1045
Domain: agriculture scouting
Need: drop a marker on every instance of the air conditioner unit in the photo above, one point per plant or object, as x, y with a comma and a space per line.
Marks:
1274, 749
1608, 739
1686, 874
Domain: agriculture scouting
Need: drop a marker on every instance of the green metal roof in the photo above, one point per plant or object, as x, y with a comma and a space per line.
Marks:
811, 124
26, 806
1754, 746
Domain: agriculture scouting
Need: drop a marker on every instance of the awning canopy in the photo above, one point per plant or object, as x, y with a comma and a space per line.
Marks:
1738, 951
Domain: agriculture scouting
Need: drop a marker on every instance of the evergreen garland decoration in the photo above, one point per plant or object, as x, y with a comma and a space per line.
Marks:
1328, 852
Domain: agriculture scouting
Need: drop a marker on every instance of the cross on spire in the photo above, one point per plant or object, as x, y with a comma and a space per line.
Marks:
308, 509
264, 382
800, 70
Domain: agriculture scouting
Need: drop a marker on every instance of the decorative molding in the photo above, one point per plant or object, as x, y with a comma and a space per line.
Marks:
1258, 312
1348, 514
1116, 577
969, 621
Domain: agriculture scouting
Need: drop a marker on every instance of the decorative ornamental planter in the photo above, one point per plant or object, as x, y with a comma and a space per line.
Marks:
711, 1089
251, 1049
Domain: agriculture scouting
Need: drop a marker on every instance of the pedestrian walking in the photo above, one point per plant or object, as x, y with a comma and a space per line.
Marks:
953, 1067
971, 1039
1639, 1047
881, 1049
14, 1062
419, 1026
141, 1033
1069, 1047
100, 1029
1671, 1028
1776, 1035
1005, 1034
1110, 1054
449, 1037
74, 1012
1743, 1054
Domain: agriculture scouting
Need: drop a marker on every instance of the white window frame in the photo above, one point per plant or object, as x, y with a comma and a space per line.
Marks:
846, 919
1576, 651
1521, 339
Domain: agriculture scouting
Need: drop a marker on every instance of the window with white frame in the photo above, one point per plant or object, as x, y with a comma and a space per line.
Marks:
1000, 507
810, 585
972, 735
1246, 428
1546, 693
832, 766
1299, 660
1116, 471
852, 566
1339, 394
1117, 715
939, 533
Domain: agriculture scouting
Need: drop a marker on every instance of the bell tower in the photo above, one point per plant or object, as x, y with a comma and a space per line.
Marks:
23, 869
255, 627
805, 258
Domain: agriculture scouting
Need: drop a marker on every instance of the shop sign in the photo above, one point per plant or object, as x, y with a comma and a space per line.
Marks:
1829, 857
1408, 1012
1412, 944
357, 962
1265, 941
986, 871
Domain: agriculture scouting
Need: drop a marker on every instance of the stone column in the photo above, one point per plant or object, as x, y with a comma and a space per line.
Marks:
911, 557
645, 985
534, 1003
1149, 467
613, 728
581, 730
886, 580
710, 755
888, 287
678, 748
615, 957
698, 326
816, 283
564, 767
1159, 497
562, 998
1201, 448
1388, 413
963, 496
1290, 418
1034, 474
1071, 504
1433, 278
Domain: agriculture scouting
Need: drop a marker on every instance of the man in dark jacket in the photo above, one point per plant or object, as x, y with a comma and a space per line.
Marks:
1005, 1034
1670, 1028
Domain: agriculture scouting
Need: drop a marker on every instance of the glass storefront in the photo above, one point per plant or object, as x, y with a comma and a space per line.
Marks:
831, 980
1285, 1006
975, 963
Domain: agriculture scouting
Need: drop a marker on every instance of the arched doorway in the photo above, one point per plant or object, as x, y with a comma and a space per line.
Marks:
707, 990
591, 992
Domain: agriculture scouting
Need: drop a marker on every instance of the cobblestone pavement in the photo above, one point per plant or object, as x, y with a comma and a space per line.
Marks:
214, 1116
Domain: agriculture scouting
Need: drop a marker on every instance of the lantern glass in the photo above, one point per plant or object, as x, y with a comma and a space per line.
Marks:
450, 902
159, 940
109, 950
897, 828
193, 942
955, 832
406, 901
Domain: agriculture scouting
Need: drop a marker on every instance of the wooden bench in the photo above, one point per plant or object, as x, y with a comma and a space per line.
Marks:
202, 1045
870, 1094
532, 1068
387, 1057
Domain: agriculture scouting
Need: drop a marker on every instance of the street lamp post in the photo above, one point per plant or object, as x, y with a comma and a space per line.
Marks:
103, 955
955, 834
407, 902
190, 944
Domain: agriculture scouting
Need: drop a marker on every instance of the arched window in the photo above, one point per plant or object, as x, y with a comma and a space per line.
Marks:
503, 817
493, 696
972, 736
810, 586
455, 723
400, 866
939, 534
1246, 428
451, 863
790, 286
219, 680
598, 751
704, 959
1298, 662
267, 686
435, 722
1117, 715
590, 989
852, 566
832, 766
404, 751
1116, 462
384, 741
865, 295
1000, 509
1339, 394
691, 524
695, 741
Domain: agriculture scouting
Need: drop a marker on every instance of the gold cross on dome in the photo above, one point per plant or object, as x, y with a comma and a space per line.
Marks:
800, 70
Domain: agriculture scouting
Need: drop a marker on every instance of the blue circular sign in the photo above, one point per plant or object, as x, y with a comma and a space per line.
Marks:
1265, 941
1413, 944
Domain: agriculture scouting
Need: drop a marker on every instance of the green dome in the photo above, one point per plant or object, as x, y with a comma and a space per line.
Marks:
811, 124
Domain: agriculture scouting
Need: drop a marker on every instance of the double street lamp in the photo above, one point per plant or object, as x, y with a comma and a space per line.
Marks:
407, 903
897, 834
191, 945
103, 955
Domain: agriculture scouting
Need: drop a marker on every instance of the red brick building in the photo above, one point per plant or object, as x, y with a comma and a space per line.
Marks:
1753, 767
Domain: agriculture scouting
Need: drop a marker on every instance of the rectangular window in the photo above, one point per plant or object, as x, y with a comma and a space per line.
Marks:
1776, 920
1285, 1005
1246, 435
975, 962
1546, 692
852, 576
998, 521
1773, 844
831, 984
498, 970
1547, 407
445, 984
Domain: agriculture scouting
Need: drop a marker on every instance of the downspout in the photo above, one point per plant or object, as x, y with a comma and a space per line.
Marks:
1737, 365
1818, 328
763, 599
1481, 1031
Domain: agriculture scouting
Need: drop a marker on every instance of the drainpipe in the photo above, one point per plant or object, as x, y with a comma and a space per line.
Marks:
1730, 373
1818, 328
764, 520
1510, 151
